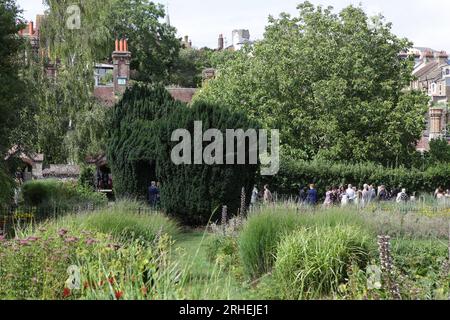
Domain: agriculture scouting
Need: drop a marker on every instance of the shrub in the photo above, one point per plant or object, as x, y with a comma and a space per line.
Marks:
124, 221
35, 266
312, 263
140, 148
49, 195
262, 232
419, 257
194, 192
87, 177
134, 140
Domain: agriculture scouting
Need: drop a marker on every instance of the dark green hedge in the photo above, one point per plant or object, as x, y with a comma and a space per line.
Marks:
140, 148
194, 192
294, 174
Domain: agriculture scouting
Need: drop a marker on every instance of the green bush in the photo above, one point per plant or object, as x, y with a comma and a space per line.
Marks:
312, 263
54, 194
419, 257
123, 221
35, 266
87, 177
294, 174
140, 152
194, 192
134, 140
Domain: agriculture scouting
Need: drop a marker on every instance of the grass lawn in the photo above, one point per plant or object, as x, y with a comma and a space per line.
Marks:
205, 278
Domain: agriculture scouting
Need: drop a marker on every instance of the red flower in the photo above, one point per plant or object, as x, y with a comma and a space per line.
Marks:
86, 285
119, 295
111, 280
66, 292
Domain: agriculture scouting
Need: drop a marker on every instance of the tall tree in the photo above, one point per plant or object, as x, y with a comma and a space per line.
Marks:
332, 83
12, 89
153, 43
78, 34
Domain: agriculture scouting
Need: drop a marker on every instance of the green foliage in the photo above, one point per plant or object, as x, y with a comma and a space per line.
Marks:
332, 83
224, 250
419, 257
153, 44
188, 67
36, 266
187, 71
14, 102
123, 222
439, 152
87, 177
54, 194
140, 152
6, 186
313, 262
195, 193
294, 174
134, 140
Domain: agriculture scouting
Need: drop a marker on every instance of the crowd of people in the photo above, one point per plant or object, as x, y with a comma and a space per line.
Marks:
349, 195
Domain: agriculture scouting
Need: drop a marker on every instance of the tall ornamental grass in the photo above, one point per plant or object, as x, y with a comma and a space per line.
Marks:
312, 263
123, 220
262, 232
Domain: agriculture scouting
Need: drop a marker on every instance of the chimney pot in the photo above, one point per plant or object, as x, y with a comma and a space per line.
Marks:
125, 48
121, 45
31, 28
117, 45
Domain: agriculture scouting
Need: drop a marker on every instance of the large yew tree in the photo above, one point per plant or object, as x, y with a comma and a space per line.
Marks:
333, 83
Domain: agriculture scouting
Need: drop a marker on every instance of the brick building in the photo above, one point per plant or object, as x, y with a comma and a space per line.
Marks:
432, 75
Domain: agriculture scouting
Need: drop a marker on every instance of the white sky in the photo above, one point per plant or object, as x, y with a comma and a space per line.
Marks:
425, 22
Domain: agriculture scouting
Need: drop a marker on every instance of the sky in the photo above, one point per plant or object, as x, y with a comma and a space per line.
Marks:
424, 22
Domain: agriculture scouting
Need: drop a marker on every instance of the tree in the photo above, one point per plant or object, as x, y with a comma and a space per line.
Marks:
187, 70
133, 141
13, 98
154, 44
70, 123
332, 83
439, 152
139, 151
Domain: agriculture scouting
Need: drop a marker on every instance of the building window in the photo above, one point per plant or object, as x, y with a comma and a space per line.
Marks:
104, 76
433, 88
122, 81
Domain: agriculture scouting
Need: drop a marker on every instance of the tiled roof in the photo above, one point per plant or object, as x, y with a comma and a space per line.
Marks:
182, 94
425, 69
61, 170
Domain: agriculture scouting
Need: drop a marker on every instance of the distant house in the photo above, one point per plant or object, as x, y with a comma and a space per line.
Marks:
432, 75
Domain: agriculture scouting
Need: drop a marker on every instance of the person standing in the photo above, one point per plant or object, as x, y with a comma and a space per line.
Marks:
255, 194
383, 194
366, 196
268, 198
302, 195
351, 194
153, 194
402, 197
311, 198
328, 198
